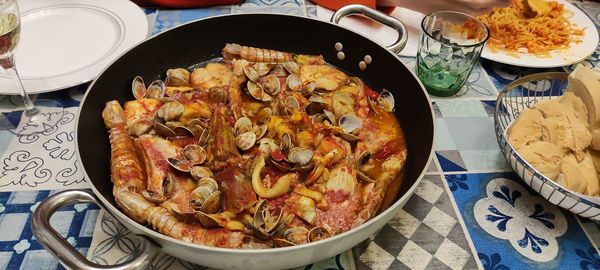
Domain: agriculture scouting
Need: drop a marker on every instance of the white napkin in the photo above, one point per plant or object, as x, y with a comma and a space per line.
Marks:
43, 161
380, 33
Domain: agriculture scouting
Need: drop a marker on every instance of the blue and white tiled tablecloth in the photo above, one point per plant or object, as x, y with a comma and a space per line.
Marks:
470, 211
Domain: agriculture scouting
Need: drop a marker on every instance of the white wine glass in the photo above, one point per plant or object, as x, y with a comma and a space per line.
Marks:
43, 115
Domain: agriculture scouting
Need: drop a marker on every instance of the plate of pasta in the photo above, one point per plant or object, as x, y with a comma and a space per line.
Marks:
556, 34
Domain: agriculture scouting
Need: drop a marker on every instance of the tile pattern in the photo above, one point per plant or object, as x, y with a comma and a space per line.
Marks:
425, 234
18, 246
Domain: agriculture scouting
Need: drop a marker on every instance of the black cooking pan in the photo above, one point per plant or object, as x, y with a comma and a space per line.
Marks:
201, 41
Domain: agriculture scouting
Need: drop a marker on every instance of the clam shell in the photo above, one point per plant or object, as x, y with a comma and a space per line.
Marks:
349, 123
291, 67
263, 68
194, 153
300, 156
313, 108
309, 88
385, 100
177, 77
318, 233
138, 88
206, 220
163, 130
170, 111
292, 103
286, 143
363, 158
271, 84
242, 125
200, 172
263, 115
156, 89
260, 131
245, 140
251, 73
293, 82
255, 90
183, 131
180, 165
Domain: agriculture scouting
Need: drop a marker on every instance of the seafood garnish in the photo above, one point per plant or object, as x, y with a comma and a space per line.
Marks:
260, 149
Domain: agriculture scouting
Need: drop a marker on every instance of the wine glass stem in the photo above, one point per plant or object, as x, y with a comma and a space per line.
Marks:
9, 65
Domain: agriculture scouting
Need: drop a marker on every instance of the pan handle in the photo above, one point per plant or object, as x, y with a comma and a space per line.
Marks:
377, 16
61, 249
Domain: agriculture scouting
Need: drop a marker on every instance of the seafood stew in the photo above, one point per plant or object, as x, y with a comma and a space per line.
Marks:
257, 149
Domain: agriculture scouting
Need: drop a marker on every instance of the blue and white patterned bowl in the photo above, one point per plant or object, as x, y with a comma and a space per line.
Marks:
517, 96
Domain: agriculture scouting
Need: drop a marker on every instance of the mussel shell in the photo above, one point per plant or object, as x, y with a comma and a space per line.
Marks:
251, 73
156, 89
300, 156
178, 77
200, 172
317, 233
293, 82
195, 154
271, 84
385, 100
163, 130
242, 125
245, 140
291, 67
138, 88
180, 165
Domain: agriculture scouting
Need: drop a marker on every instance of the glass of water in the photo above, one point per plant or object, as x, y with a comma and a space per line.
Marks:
449, 48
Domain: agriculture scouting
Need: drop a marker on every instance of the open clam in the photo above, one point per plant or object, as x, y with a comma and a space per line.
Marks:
245, 140
138, 88
300, 156
181, 165
170, 111
286, 143
156, 89
318, 233
177, 77
263, 115
313, 108
206, 197
263, 68
309, 88
164, 130
255, 90
271, 84
199, 172
183, 131
291, 102
242, 125
265, 220
251, 73
350, 125
291, 67
218, 94
195, 154
385, 100
293, 82
362, 159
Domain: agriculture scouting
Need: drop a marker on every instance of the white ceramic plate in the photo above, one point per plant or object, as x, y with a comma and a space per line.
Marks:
574, 54
68, 42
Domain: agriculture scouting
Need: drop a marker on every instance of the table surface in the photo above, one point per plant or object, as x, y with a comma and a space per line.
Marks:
437, 229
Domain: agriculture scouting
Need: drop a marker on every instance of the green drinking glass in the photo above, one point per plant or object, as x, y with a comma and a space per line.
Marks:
450, 46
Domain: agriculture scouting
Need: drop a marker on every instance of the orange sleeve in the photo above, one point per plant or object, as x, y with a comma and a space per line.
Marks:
336, 4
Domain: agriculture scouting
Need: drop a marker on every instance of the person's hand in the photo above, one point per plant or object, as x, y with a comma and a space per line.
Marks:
475, 7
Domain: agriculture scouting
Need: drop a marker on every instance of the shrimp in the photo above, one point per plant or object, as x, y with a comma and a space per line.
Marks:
253, 54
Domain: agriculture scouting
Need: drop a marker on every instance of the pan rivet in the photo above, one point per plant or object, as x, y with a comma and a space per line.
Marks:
362, 65
339, 46
341, 56
368, 59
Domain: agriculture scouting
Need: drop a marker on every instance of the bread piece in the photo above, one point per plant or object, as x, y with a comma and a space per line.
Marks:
571, 175
551, 108
585, 83
544, 157
557, 130
527, 128
595, 155
573, 104
582, 137
596, 139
